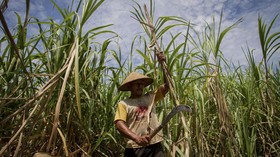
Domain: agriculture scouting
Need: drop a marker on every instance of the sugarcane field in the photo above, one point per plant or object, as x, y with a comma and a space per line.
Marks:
151, 78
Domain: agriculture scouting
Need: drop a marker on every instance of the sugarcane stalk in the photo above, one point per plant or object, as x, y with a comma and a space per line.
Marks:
166, 74
163, 63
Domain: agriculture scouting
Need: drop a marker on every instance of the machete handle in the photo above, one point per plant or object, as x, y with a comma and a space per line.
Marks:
155, 131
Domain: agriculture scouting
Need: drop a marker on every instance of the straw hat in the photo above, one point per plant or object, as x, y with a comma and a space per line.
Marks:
133, 77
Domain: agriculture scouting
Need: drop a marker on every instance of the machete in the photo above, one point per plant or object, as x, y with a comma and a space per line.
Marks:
169, 116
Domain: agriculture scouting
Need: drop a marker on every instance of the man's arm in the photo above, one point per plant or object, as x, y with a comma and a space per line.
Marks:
124, 130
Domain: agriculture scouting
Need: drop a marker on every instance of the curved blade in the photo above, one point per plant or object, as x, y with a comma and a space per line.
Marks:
169, 116
174, 111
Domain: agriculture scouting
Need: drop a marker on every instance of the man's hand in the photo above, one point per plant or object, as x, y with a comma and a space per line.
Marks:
160, 56
123, 129
142, 140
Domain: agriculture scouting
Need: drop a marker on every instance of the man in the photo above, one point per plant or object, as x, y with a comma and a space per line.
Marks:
136, 116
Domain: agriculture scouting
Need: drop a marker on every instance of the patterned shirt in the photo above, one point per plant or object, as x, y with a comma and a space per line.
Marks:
138, 117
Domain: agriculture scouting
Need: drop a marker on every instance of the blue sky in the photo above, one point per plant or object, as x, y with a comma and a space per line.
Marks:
117, 12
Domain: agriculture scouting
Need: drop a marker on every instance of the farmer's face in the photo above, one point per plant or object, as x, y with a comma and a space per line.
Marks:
137, 88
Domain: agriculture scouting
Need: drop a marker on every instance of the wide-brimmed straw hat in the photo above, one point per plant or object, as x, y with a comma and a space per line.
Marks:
133, 77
